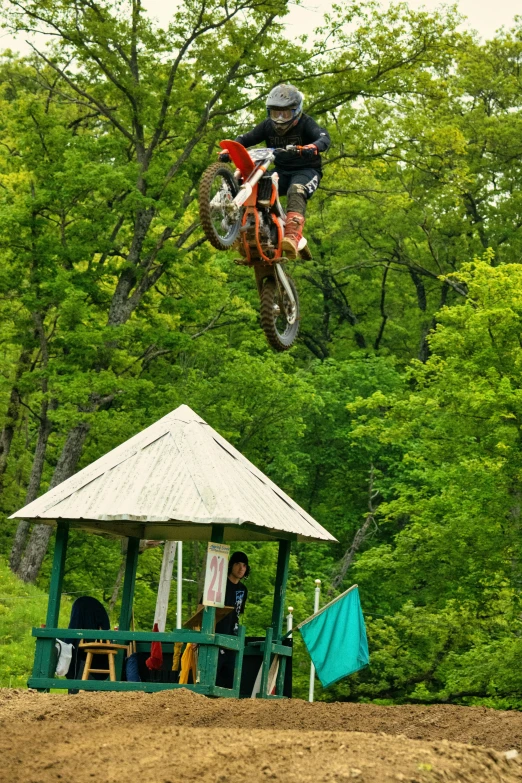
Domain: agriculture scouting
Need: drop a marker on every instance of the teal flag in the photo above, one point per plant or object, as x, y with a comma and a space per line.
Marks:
336, 639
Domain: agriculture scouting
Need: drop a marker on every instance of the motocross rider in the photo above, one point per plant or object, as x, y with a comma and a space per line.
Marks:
299, 174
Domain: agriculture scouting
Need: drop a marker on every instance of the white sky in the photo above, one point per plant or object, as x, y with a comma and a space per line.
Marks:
484, 16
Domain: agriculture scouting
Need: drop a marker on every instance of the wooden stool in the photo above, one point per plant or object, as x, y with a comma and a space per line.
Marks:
100, 648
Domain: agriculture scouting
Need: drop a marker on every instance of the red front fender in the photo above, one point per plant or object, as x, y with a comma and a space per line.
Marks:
240, 157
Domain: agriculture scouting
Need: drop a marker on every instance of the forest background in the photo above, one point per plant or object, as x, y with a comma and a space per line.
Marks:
395, 421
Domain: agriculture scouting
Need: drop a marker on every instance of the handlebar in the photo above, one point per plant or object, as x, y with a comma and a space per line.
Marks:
288, 148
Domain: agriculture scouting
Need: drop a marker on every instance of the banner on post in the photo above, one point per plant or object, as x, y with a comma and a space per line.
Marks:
216, 575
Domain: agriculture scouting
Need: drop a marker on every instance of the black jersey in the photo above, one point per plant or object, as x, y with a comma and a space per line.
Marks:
236, 596
307, 131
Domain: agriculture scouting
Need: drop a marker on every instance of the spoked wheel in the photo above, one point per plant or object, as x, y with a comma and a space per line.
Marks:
220, 218
279, 320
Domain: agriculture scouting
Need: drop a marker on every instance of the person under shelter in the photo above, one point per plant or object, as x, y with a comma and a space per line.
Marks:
235, 595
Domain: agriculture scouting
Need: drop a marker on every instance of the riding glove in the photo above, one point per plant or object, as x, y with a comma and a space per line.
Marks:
224, 157
309, 151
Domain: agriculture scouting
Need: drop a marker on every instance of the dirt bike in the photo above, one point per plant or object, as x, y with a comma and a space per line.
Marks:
242, 209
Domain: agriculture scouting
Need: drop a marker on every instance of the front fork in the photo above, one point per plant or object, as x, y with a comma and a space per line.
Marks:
283, 279
267, 270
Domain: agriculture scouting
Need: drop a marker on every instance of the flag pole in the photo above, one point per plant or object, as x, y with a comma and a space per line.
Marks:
179, 587
312, 667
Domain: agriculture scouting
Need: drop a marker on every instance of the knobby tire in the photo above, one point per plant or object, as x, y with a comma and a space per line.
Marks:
269, 297
205, 187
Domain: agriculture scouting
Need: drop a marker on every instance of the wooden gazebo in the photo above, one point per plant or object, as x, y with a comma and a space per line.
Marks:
177, 480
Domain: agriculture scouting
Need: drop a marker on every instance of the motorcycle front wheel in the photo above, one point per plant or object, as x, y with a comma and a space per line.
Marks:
278, 321
220, 218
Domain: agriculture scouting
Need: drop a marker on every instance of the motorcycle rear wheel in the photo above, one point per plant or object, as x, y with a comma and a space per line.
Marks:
220, 221
278, 331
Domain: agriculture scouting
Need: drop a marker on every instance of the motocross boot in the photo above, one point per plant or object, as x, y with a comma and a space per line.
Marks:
293, 232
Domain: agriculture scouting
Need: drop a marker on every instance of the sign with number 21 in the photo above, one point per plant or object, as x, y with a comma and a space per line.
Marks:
216, 575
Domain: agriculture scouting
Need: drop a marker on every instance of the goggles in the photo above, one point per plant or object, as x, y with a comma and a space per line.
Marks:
281, 115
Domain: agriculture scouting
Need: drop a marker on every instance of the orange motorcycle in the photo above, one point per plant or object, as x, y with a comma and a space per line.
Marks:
241, 209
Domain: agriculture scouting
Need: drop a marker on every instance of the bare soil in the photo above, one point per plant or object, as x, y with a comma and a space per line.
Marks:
180, 737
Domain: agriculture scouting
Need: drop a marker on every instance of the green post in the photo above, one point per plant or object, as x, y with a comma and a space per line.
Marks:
267, 659
129, 581
238, 668
208, 654
45, 656
127, 596
283, 559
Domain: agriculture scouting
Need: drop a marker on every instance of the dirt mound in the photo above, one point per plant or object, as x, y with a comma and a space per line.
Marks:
179, 737
472, 725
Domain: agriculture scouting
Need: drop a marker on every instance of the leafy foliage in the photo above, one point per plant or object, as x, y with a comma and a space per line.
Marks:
395, 421
22, 607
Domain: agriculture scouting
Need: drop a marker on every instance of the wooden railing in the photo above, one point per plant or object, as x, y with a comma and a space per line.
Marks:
45, 659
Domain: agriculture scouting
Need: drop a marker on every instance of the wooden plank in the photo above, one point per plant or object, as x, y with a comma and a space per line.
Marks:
197, 637
254, 648
251, 651
195, 622
228, 642
270, 533
280, 649
121, 529
165, 581
216, 690
272, 674
44, 683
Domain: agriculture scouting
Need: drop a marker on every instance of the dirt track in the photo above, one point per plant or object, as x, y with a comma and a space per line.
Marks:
180, 737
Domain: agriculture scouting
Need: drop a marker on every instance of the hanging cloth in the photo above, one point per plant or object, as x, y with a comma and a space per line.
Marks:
156, 653
189, 663
176, 658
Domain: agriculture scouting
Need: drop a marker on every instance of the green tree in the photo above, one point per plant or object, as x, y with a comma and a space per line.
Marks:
448, 582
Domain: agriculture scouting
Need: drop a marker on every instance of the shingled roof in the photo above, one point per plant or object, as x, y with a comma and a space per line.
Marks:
173, 481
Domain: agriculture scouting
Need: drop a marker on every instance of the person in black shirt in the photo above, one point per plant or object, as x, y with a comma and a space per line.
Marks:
236, 596
299, 174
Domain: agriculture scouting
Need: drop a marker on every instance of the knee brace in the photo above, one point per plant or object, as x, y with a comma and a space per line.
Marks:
296, 199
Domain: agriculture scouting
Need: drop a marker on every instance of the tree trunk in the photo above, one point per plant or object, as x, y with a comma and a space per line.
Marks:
359, 538
13, 411
35, 479
120, 310
117, 585
39, 540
